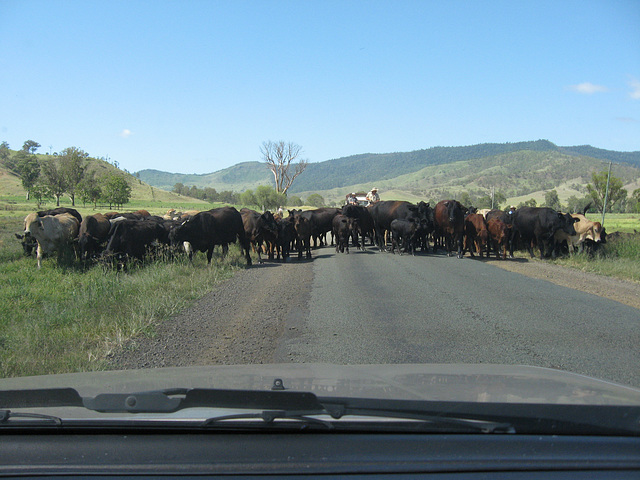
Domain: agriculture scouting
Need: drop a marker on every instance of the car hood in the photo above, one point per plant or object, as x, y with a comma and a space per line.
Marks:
434, 382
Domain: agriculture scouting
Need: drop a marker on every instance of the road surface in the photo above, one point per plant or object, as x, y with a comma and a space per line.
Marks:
370, 307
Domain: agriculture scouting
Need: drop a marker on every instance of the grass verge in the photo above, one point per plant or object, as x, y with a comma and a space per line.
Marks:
67, 319
619, 258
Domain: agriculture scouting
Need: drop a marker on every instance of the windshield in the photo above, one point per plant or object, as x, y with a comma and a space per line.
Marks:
366, 201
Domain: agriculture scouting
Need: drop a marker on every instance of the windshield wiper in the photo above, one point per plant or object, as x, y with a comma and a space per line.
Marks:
6, 415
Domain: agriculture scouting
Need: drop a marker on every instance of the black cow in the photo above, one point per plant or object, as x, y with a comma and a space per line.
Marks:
131, 238
94, 231
286, 236
384, 212
205, 230
403, 234
343, 227
504, 216
364, 222
321, 223
304, 231
57, 211
259, 227
449, 220
538, 225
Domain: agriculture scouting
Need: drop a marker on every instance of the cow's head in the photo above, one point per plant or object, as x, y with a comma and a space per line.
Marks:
28, 243
596, 232
566, 222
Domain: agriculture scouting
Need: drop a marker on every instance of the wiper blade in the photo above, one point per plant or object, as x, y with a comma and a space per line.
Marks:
270, 416
6, 415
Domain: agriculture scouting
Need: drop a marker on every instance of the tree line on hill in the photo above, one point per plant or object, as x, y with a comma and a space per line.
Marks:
264, 197
66, 172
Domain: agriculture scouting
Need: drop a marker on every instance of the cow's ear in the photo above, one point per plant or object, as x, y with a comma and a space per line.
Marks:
18, 236
575, 220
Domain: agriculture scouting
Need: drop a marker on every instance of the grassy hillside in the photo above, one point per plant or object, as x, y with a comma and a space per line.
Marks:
240, 177
13, 195
518, 170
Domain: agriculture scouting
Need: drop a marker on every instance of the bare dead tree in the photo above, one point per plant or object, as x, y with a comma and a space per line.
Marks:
283, 159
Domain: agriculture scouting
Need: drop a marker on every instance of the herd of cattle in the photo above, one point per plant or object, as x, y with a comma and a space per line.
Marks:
403, 225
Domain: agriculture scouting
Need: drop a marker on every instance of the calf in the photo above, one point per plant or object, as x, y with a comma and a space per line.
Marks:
403, 232
476, 234
343, 227
500, 233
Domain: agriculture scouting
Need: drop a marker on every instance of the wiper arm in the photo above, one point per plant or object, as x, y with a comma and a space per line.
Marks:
162, 401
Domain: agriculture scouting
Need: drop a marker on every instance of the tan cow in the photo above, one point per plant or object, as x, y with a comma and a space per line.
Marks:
585, 230
54, 233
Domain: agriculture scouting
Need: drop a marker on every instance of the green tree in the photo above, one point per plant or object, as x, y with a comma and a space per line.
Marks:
552, 200
528, 203
53, 178
466, 200
115, 190
315, 200
247, 198
268, 199
5, 152
28, 168
40, 192
577, 205
294, 201
597, 191
73, 165
210, 194
178, 188
30, 146
89, 189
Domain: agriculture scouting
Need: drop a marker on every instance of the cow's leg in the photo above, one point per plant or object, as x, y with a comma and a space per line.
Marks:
209, 254
460, 254
39, 255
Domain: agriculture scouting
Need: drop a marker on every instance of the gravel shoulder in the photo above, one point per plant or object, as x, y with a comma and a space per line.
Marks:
231, 325
623, 291
234, 325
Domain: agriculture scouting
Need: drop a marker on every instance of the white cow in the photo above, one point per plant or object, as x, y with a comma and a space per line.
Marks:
54, 233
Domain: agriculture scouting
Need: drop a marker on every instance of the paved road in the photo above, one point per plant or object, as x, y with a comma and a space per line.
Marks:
368, 307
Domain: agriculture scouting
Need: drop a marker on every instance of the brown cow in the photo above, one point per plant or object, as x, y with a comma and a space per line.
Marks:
449, 220
476, 234
94, 230
585, 230
500, 233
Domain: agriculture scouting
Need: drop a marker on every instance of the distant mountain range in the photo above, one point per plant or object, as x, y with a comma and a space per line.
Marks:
516, 169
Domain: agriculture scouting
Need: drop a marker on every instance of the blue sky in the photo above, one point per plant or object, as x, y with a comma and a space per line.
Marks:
197, 86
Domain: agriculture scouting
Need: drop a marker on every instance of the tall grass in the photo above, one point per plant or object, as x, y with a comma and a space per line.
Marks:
67, 318
618, 258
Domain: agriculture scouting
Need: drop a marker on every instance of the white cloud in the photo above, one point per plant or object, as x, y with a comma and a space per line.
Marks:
587, 88
126, 133
635, 88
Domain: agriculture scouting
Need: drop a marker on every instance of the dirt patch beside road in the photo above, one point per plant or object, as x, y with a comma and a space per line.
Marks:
622, 291
231, 325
